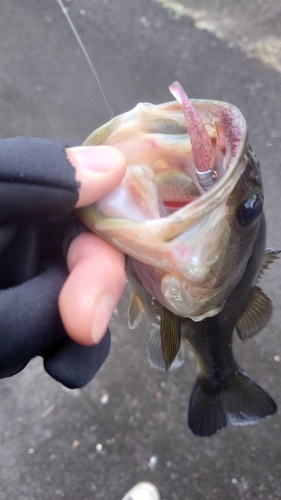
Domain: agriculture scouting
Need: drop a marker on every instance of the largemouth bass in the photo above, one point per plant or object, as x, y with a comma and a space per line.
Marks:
189, 214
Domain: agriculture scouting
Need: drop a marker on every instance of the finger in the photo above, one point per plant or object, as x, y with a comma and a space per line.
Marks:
92, 289
99, 169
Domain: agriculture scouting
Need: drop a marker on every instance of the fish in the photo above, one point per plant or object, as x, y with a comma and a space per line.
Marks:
189, 216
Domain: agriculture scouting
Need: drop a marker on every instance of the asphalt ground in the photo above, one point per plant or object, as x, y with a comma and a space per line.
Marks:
129, 423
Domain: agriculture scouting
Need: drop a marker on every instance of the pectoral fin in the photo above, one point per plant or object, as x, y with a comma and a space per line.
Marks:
255, 315
170, 332
135, 311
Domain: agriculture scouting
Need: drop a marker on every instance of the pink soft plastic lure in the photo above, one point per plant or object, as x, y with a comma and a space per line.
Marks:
202, 147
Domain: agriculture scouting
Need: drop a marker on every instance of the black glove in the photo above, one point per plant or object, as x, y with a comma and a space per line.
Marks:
37, 193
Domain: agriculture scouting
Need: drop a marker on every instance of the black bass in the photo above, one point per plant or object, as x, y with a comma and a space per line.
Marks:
189, 214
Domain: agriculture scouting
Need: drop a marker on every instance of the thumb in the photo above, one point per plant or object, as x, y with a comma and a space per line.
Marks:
98, 169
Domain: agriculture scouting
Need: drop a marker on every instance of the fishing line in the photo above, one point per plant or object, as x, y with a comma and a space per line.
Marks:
83, 48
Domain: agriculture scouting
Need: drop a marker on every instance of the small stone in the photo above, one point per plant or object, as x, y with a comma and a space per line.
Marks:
75, 444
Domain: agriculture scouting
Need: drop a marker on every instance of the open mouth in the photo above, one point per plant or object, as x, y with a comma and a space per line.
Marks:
178, 161
184, 157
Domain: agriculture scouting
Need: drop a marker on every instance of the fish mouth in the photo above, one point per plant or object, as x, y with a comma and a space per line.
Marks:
169, 211
154, 139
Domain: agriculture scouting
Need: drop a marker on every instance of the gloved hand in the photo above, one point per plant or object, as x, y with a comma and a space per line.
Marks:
40, 242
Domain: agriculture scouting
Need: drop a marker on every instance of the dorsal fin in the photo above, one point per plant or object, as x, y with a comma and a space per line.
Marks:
270, 255
258, 308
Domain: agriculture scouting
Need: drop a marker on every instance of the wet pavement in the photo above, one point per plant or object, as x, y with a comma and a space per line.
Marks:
129, 423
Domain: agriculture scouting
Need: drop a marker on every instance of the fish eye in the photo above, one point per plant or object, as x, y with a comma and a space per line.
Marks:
250, 210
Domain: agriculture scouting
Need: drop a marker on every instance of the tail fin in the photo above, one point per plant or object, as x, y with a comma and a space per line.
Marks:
239, 401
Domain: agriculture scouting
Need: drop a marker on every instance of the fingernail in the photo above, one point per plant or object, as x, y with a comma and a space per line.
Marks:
103, 311
95, 158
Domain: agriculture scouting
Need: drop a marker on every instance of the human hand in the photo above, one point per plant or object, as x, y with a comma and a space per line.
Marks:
38, 189
97, 270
